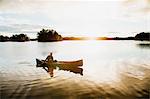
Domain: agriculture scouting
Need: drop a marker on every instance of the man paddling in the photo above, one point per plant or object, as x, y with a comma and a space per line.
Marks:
49, 60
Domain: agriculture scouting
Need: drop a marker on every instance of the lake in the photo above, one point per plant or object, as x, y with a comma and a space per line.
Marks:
111, 70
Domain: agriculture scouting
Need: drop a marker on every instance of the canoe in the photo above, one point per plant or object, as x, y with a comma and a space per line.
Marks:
60, 64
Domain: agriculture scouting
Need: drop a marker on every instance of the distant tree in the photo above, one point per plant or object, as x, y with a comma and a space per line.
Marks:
4, 38
46, 35
19, 38
142, 36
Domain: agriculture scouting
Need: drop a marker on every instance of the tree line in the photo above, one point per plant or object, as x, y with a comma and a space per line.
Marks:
50, 35
16, 37
45, 35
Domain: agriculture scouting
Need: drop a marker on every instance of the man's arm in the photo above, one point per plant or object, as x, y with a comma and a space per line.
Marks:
47, 58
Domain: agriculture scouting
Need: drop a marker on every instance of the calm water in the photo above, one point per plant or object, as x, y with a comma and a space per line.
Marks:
111, 70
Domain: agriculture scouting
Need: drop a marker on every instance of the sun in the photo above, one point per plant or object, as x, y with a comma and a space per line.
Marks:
92, 38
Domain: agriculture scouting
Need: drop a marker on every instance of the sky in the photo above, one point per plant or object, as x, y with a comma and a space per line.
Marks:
75, 17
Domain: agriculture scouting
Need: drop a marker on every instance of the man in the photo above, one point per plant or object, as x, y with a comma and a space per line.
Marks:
49, 60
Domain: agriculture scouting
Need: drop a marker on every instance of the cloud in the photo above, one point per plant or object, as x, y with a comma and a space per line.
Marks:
21, 28
138, 6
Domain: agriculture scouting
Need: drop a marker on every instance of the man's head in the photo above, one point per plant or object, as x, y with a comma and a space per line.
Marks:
50, 53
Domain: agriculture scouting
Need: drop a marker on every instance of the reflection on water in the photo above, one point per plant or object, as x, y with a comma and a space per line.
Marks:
144, 45
112, 70
76, 70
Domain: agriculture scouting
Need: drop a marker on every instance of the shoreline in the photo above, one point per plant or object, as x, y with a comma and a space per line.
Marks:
73, 40
53, 36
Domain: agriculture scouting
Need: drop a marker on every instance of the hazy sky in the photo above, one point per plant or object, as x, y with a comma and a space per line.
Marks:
76, 17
